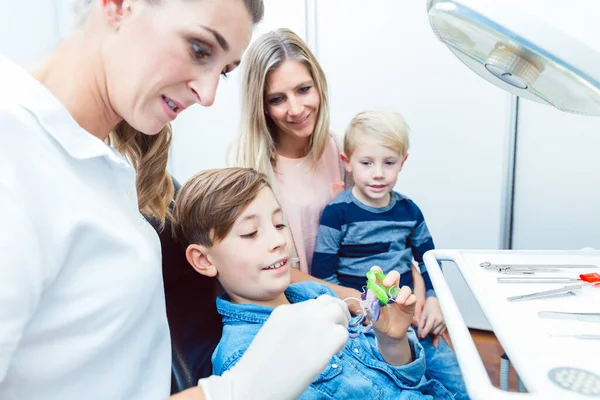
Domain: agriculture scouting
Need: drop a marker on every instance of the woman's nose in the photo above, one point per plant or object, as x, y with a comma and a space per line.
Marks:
295, 106
204, 88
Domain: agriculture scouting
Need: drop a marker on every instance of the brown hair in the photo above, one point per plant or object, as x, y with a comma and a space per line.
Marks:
209, 203
148, 155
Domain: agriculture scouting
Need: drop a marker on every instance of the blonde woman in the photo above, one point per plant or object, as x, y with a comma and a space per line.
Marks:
285, 134
82, 305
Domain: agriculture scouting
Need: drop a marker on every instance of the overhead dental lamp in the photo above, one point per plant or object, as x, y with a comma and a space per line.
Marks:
538, 50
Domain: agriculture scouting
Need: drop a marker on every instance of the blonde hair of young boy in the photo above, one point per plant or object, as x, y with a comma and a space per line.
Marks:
387, 128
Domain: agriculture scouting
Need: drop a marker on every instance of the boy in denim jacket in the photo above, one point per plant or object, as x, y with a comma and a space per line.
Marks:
371, 224
234, 230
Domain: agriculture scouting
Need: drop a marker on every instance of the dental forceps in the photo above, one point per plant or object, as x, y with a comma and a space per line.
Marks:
514, 269
563, 291
528, 269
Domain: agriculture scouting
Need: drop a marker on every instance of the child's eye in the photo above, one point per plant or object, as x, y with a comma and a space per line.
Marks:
224, 75
390, 163
367, 163
249, 235
280, 226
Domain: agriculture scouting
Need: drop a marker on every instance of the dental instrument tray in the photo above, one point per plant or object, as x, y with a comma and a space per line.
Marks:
535, 344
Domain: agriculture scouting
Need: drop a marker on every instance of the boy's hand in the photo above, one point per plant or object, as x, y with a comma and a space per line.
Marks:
432, 320
393, 323
419, 292
395, 318
351, 297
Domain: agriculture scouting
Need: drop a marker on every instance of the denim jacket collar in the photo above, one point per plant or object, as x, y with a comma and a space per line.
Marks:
256, 314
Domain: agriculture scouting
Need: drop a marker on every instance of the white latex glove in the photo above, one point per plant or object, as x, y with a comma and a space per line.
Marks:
289, 352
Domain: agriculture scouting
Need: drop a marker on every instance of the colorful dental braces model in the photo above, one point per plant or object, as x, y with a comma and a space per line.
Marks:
372, 299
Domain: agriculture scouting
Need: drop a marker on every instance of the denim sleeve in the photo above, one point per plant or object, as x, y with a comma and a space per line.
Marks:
325, 260
222, 365
231, 348
410, 374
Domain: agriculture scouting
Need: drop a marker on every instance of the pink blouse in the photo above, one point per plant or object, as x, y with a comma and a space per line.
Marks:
304, 193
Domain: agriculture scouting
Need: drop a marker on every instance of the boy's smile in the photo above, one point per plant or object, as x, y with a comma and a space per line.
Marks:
277, 266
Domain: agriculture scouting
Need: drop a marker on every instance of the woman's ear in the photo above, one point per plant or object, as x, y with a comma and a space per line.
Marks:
198, 258
346, 161
113, 11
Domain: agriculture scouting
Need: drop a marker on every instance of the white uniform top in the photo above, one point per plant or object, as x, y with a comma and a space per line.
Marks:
82, 305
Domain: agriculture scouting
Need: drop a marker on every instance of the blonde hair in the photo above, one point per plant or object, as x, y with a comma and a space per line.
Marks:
149, 154
256, 146
388, 128
209, 203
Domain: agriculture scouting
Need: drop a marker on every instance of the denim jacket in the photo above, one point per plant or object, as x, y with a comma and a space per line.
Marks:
358, 371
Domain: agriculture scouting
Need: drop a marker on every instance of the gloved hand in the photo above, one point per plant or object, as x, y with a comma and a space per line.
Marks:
289, 352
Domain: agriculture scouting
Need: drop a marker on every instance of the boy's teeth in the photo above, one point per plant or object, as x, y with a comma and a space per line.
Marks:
276, 265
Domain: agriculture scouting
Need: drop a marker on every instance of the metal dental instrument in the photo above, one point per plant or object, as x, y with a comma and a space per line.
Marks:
591, 336
593, 278
587, 317
563, 291
535, 267
541, 279
516, 271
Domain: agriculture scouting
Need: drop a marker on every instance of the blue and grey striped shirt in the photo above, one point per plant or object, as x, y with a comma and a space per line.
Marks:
353, 237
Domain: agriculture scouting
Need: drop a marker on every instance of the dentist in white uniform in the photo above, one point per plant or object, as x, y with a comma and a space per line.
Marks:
82, 307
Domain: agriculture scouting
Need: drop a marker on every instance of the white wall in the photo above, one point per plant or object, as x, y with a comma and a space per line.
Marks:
28, 29
557, 187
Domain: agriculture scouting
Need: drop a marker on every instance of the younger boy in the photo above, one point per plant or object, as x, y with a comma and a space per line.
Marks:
371, 224
234, 230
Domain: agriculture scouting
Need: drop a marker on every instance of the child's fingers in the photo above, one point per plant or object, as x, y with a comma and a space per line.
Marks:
436, 341
416, 316
439, 328
405, 295
446, 336
426, 328
422, 322
376, 268
412, 299
392, 279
